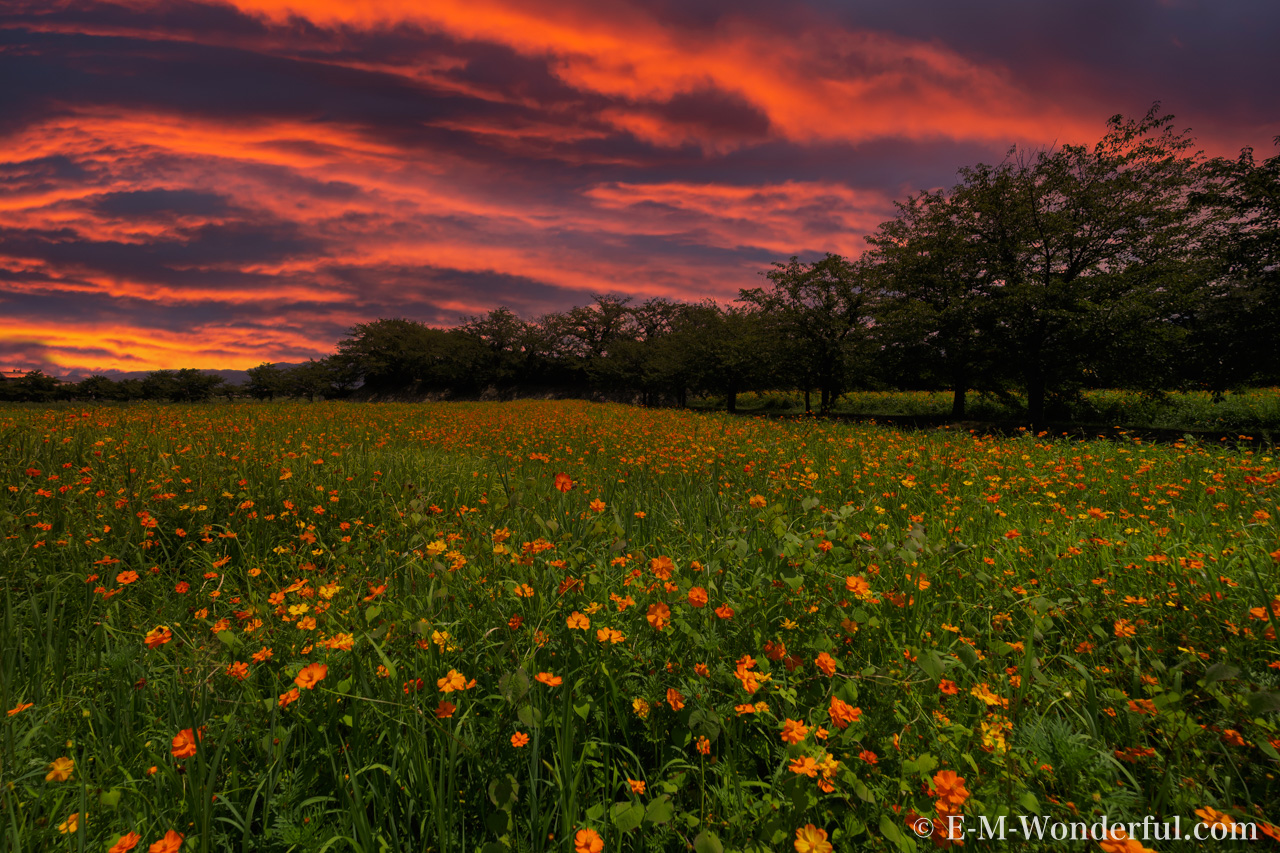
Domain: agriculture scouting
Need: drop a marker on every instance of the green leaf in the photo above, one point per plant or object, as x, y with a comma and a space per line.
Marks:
1220, 672
110, 799
371, 613
660, 810
932, 664
502, 792
498, 822
890, 830
1263, 703
707, 842
386, 661
627, 816
529, 716
230, 640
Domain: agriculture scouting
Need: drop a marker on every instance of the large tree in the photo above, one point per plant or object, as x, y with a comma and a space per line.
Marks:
934, 322
820, 314
1084, 248
1235, 325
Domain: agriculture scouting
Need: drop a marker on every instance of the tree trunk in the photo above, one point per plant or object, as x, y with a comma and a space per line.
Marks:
808, 410
1035, 401
957, 401
682, 398
733, 402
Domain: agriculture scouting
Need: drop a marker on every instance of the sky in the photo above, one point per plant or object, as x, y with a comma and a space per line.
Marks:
219, 183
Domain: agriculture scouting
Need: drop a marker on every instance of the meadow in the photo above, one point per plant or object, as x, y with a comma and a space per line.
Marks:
1254, 410
555, 626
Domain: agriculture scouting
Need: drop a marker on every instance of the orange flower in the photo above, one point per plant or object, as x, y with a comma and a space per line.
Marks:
724, 611
950, 789
842, 713
827, 664
1214, 818
171, 843
71, 824
703, 745
577, 621
794, 731
60, 770
261, 654
19, 708
158, 636
637, 786
675, 699
1124, 628
184, 744
805, 766
587, 841
125, 843
311, 675
659, 615
238, 670
858, 585
549, 679
289, 697
702, 670
869, 756
564, 483
698, 597
810, 839
662, 567
1117, 841
519, 739
597, 505
757, 502
454, 681
948, 687
445, 709
126, 577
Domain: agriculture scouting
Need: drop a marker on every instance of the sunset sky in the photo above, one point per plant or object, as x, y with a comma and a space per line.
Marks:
217, 184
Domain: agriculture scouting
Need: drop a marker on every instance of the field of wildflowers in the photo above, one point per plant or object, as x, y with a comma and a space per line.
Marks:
567, 626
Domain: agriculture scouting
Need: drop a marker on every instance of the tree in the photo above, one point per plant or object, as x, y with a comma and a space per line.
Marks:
725, 350
34, 387
1082, 247
266, 381
159, 385
97, 387
935, 317
1235, 325
192, 386
821, 315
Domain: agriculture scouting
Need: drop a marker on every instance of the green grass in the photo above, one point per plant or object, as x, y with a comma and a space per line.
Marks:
1252, 410
1101, 615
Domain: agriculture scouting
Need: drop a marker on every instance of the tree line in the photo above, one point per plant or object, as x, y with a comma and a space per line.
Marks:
1135, 263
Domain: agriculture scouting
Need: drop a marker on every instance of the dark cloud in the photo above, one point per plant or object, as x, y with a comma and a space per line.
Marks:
152, 204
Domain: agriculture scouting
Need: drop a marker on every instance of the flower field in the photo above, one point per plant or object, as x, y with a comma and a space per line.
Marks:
566, 626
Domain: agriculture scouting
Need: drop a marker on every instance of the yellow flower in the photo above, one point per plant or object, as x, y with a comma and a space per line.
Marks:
810, 839
60, 770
